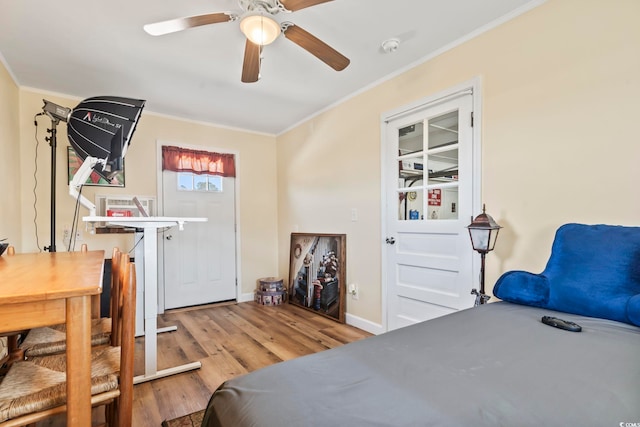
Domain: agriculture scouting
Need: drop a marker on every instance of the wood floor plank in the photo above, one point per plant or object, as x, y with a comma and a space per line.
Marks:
145, 406
280, 342
229, 340
180, 394
218, 368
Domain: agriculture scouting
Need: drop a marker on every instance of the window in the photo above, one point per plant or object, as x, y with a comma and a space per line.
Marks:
430, 156
188, 181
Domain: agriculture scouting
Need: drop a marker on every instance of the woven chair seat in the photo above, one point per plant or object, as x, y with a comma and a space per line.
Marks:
53, 339
39, 383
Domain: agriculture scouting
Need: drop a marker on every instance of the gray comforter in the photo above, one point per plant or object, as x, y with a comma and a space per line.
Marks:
494, 365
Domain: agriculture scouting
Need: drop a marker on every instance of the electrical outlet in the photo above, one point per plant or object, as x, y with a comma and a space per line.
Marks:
353, 291
78, 236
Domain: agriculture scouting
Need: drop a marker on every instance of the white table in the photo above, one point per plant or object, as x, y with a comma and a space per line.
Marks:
147, 307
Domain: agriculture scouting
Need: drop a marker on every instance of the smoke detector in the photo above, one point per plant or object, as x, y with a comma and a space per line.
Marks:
391, 45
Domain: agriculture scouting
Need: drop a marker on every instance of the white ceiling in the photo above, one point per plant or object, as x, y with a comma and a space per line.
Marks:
87, 48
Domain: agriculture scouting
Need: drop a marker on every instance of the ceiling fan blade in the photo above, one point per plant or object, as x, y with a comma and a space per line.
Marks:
179, 24
251, 65
294, 5
316, 47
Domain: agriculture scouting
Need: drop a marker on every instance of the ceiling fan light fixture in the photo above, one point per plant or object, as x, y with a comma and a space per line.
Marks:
260, 29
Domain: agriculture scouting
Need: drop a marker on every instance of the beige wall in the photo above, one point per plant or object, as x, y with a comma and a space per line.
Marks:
256, 181
10, 218
560, 90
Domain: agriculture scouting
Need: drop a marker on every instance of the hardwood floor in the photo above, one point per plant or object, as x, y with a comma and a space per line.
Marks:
229, 340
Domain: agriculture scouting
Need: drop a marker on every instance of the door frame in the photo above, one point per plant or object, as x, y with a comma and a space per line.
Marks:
475, 86
160, 207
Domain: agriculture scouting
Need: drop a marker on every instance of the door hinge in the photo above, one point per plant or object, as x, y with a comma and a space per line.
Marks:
472, 119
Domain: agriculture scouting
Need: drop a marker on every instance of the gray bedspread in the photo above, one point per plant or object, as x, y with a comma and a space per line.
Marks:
494, 365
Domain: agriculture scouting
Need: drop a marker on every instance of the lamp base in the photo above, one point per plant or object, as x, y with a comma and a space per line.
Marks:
480, 297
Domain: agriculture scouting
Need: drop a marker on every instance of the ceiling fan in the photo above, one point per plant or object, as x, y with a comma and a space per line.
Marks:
259, 24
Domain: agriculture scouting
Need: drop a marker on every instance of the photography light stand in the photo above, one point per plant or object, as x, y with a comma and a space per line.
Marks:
75, 185
53, 143
55, 113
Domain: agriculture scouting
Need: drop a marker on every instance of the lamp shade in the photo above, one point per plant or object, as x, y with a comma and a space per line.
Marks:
260, 29
483, 231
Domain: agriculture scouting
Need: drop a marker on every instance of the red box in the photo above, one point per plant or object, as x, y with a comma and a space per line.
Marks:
118, 212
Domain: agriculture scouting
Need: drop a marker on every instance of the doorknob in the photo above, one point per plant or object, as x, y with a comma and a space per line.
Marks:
390, 240
169, 237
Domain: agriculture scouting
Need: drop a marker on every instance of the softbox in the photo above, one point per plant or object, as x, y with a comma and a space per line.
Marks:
101, 127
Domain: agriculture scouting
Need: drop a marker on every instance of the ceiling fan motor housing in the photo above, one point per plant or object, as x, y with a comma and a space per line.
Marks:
271, 7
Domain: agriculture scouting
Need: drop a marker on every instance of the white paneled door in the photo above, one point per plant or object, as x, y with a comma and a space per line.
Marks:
429, 160
199, 262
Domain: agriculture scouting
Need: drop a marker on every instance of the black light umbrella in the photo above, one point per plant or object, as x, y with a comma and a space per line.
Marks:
101, 127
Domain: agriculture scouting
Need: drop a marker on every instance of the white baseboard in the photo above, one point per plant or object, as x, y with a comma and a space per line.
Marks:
358, 322
364, 324
247, 297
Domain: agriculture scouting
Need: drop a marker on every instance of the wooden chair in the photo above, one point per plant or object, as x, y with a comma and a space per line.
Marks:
35, 389
4, 353
49, 340
14, 352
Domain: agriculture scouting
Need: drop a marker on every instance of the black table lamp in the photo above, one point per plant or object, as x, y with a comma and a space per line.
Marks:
483, 231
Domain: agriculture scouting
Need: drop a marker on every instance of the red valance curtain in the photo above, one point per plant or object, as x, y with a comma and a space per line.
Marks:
199, 162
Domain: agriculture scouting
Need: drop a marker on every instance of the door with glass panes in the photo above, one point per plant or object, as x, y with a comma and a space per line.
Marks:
429, 198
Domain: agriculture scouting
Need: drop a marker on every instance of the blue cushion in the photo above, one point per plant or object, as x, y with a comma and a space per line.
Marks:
593, 270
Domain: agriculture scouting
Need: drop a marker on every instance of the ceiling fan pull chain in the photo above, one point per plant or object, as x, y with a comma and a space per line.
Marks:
260, 64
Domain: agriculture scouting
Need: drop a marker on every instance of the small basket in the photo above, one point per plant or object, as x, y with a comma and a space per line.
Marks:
270, 291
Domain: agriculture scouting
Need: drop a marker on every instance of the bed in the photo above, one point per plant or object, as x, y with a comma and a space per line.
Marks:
493, 365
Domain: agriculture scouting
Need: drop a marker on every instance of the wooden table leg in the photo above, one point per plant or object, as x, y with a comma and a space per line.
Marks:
95, 306
79, 361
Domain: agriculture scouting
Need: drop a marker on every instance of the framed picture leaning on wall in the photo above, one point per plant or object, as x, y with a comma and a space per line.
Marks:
317, 273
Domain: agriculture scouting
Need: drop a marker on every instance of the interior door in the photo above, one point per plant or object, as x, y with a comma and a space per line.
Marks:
429, 193
199, 262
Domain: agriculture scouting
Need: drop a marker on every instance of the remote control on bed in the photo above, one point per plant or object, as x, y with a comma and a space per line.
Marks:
561, 324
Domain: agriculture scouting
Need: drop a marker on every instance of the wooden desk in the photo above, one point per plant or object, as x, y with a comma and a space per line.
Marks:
50, 288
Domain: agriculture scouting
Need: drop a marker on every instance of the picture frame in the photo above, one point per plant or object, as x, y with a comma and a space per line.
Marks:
74, 162
317, 273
